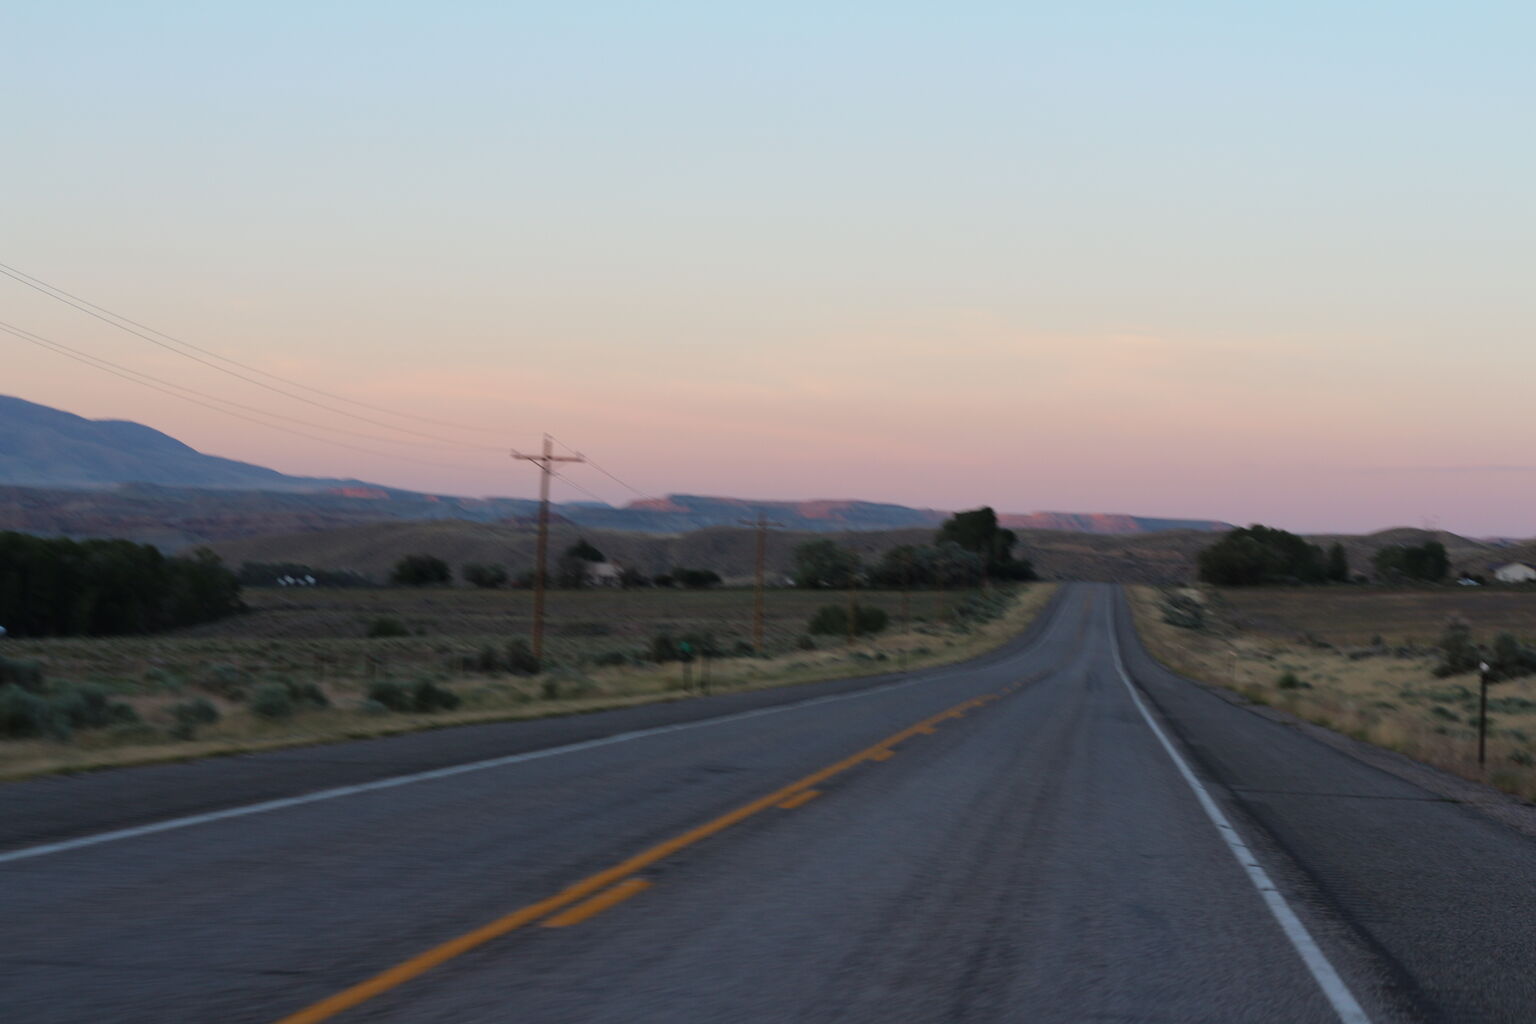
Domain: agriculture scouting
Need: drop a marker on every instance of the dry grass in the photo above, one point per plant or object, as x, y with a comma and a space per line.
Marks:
279, 641
1389, 697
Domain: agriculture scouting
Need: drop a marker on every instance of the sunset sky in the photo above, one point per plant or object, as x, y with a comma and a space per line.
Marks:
1255, 262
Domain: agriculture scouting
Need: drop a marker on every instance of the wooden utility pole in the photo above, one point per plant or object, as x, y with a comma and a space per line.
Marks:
759, 597
546, 463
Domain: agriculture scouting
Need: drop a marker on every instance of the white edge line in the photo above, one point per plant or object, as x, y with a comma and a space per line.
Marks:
1323, 972
267, 806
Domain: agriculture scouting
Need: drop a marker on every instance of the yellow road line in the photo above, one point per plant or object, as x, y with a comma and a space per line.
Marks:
805, 796
882, 755
423, 962
597, 904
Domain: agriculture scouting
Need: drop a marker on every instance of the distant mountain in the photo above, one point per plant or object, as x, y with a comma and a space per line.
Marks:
45, 447
66, 475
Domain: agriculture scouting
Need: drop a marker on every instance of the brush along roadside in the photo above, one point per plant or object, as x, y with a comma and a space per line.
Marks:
1390, 696
322, 710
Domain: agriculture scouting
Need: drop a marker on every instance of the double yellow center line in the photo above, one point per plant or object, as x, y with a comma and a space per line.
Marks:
568, 907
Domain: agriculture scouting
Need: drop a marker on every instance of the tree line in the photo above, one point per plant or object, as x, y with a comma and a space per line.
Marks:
1257, 555
60, 587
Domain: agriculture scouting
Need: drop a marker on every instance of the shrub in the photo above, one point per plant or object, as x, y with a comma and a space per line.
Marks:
485, 577
696, 579
421, 571
520, 659
485, 660
225, 681
422, 696
1458, 654
383, 627
427, 696
306, 694
664, 648
1183, 611
1289, 681
25, 714
806, 643
833, 619
190, 714
609, 659
91, 707
389, 694
272, 700
26, 674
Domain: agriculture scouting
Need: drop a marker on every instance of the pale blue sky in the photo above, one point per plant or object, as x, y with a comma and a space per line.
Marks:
1180, 258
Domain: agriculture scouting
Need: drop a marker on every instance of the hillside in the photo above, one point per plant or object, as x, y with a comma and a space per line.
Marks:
45, 447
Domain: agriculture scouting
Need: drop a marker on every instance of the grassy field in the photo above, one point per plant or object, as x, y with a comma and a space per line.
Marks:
1361, 661
597, 643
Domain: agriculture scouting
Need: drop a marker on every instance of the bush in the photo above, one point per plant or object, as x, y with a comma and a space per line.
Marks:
1289, 681
664, 648
609, 659
26, 674
190, 714
384, 627
833, 619
696, 578
91, 707
272, 700
486, 577
422, 696
1458, 654
520, 659
225, 681
421, 571
24, 714
806, 643
1183, 611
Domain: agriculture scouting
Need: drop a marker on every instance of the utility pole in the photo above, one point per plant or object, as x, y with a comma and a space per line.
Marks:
759, 597
546, 463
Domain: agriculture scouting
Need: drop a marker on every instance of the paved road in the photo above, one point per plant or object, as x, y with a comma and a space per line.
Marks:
1011, 840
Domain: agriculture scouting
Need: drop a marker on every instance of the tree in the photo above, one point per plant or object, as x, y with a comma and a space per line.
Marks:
825, 564
1427, 562
60, 587
421, 571
1260, 554
572, 567
486, 577
1338, 564
696, 579
977, 531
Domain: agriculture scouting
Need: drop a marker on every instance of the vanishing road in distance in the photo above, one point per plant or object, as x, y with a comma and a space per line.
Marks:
1060, 831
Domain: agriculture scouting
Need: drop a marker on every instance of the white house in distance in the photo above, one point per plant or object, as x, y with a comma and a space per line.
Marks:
1514, 572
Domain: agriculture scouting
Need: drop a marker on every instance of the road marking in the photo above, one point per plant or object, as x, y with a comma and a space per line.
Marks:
805, 796
882, 755
283, 803
599, 903
593, 884
1323, 972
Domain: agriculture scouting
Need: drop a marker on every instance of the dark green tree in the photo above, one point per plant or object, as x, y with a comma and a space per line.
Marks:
826, 564
1425, 563
977, 531
486, 577
1249, 556
421, 571
1338, 564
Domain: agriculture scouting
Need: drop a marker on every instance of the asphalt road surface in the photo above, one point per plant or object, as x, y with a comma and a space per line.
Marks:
1036, 836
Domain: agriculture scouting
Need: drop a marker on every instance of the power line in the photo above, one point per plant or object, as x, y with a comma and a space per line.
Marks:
38, 338
167, 388
600, 469
139, 330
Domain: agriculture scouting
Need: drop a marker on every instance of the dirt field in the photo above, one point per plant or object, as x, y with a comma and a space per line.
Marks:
1322, 638
1358, 615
